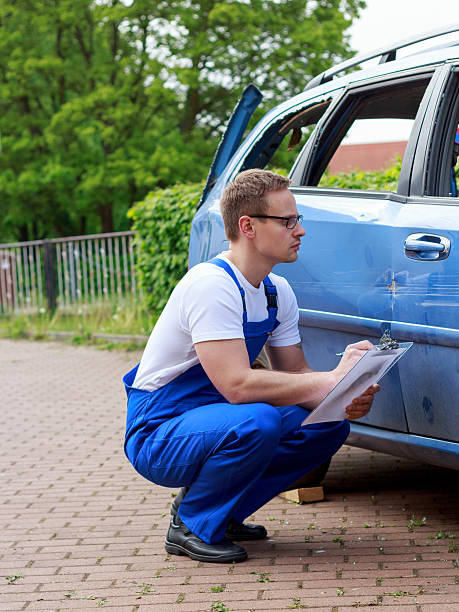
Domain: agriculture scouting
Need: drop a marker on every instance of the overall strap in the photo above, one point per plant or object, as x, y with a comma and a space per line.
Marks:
222, 264
270, 289
271, 295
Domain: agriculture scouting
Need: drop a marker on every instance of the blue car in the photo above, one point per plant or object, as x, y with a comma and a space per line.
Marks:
373, 260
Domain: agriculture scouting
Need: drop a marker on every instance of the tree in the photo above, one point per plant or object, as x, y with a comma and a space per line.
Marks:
102, 101
216, 48
87, 125
74, 100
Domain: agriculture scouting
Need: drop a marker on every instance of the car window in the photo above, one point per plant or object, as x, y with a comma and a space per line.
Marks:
287, 151
363, 144
279, 145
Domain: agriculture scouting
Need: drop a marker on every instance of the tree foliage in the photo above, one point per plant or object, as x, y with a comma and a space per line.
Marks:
216, 48
102, 101
80, 114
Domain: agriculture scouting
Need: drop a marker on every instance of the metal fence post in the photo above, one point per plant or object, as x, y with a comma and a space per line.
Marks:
49, 260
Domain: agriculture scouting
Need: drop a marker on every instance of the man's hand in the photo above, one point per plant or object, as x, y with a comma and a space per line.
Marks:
361, 405
353, 353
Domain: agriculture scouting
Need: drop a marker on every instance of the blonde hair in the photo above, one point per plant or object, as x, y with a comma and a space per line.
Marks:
246, 196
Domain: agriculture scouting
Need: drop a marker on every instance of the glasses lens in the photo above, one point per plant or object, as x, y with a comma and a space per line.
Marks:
292, 221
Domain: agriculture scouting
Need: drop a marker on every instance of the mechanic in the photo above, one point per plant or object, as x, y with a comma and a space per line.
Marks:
199, 417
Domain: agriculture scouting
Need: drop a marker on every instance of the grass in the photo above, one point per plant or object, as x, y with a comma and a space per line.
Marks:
219, 606
117, 318
13, 577
413, 522
296, 603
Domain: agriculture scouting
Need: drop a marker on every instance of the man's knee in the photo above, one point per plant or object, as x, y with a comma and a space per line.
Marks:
263, 425
321, 440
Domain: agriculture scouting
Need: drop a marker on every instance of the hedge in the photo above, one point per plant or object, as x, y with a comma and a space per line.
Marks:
382, 180
162, 222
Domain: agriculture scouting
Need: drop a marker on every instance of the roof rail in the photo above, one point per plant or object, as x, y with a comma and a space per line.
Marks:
387, 54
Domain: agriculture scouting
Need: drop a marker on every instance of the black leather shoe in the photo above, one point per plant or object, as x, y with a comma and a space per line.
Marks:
238, 532
181, 541
244, 531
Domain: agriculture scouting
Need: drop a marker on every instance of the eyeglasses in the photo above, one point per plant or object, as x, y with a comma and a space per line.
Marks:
290, 222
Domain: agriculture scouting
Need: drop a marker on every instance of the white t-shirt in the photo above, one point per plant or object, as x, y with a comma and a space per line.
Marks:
207, 305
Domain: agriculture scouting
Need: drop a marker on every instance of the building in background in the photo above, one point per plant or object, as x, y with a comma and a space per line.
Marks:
368, 157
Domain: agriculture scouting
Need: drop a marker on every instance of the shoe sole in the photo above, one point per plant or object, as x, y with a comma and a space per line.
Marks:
176, 549
235, 538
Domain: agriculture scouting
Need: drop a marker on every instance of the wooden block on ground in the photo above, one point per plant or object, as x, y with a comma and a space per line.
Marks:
310, 494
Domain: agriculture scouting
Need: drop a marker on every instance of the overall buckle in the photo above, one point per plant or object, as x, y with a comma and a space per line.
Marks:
271, 296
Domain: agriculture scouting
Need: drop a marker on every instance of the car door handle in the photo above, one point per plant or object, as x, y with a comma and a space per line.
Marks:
427, 247
423, 245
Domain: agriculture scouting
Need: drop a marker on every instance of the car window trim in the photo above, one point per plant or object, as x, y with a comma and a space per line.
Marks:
429, 200
437, 174
380, 81
422, 151
351, 193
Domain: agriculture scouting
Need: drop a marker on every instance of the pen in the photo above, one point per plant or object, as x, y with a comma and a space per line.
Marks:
377, 347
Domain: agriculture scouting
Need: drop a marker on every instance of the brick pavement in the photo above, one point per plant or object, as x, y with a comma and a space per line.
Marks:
79, 529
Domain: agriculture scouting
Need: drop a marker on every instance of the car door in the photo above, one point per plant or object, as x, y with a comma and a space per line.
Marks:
426, 265
207, 227
344, 277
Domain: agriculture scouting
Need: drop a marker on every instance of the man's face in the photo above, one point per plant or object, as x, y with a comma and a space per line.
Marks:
273, 240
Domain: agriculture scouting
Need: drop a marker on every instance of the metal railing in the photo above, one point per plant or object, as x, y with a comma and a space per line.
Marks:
65, 273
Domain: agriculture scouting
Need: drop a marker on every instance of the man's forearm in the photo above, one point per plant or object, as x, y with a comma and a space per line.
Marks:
306, 389
290, 382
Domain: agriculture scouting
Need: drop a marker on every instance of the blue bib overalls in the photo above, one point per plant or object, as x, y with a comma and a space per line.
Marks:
234, 458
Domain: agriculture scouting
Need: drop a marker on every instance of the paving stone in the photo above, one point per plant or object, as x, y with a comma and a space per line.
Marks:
77, 521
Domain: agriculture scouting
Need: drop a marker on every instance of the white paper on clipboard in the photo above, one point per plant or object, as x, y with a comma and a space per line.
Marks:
370, 368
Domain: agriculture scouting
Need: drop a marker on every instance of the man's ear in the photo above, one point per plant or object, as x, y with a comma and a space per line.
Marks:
246, 226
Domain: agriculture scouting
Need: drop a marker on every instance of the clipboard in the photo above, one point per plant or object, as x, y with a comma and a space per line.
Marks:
370, 368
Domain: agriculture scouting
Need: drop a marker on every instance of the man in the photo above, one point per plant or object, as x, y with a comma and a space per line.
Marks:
199, 417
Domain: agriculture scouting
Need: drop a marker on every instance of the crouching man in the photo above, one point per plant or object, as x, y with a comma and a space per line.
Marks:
199, 417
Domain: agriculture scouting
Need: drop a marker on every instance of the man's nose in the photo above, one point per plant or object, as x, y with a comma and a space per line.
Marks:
299, 230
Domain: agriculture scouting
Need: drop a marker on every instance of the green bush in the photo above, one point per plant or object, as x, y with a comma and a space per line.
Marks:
162, 222
381, 180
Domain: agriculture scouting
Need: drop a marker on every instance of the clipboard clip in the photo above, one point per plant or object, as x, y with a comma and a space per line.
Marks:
386, 342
